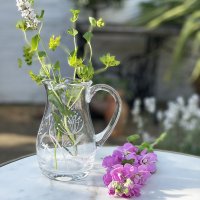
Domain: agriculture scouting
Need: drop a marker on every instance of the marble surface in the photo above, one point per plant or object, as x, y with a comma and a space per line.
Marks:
177, 177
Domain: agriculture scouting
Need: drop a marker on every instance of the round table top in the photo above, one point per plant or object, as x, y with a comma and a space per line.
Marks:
177, 177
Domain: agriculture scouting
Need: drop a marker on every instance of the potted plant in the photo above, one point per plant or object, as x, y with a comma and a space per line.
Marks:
66, 142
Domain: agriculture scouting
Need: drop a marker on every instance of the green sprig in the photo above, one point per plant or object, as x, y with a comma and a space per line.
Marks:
85, 73
72, 31
75, 14
109, 61
54, 42
74, 61
37, 78
28, 55
146, 145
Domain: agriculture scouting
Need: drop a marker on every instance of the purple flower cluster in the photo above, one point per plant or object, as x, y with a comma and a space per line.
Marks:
128, 169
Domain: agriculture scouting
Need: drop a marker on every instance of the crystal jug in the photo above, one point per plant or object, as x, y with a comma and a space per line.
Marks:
66, 142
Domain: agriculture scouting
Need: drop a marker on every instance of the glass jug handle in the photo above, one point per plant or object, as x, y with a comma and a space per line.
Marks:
103, 136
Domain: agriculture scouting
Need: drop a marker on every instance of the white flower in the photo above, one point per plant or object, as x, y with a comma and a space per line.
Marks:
25, 13
194, 99
27, 5
180, 102
150, 104
136, 107
159, 115
32, 15
139, 122
28, 13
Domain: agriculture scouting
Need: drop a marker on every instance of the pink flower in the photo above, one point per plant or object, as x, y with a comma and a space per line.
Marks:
109, 161
141, 176
127, 170
148, 160
127, 153
122, 183
107, 179
128, 148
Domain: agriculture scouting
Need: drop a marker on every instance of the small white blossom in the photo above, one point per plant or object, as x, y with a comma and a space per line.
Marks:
180, 114
180, 101
28, 13
139, 122
159, 115
150, 104
194, 100
136, 107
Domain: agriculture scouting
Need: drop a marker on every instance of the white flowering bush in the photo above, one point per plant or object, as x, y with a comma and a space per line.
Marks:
180, 120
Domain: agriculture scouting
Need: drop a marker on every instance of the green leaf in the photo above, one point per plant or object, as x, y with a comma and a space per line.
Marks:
37, 78
147, 146
28, 55
128, 162
31, 2
88, 36
54, 42
93, 21
54, 100
41, 15
85, 73
133, 138
21, 25
72, 32
42, 72
42, 54
56, 66
58, 105
19, 60
74, 61
75, 14
196, 71
35, 42
109, 61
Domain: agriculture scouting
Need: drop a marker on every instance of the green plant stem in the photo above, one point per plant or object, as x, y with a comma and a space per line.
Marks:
74, 76
90, 47
44, 48
78, 96
71, 136
159, 139
43, 67
57, 96
100, 70
26, 39
55, 152
87, 44
75, 46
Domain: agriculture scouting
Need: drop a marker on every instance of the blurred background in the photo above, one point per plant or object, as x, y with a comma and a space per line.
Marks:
157, 42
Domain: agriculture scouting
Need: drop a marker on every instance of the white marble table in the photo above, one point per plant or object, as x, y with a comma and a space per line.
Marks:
177, 177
